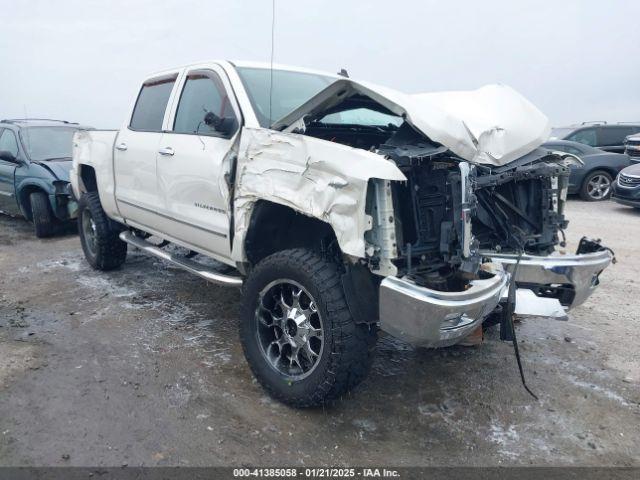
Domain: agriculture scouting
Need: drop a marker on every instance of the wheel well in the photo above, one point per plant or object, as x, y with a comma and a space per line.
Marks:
275, 227
608, 170
88, 177
25, 202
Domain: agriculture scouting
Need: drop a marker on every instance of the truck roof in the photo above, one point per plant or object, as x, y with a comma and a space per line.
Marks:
246, 64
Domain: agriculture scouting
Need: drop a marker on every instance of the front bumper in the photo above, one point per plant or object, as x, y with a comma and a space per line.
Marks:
628, 195
431, 318
569, 278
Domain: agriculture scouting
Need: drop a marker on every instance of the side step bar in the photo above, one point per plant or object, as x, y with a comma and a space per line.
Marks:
189, 265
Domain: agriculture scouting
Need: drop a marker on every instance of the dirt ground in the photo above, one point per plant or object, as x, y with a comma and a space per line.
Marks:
142, 366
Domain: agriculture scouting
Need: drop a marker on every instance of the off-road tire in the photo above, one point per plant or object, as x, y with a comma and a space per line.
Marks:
584, 188
110, 252
348, 347
43, 221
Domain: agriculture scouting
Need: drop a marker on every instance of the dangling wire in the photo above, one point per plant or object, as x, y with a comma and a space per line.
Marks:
511, 304
273, 25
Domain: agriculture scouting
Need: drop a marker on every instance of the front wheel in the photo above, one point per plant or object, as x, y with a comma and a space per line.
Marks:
297, 333
102, 247
43, 221
596, 186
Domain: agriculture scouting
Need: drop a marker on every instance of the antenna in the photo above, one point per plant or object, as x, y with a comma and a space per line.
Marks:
273, 24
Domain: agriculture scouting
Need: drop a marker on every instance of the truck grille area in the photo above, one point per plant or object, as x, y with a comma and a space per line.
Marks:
427, 203
521, 210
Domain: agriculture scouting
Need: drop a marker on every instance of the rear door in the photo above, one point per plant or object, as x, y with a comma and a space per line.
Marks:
135, 153
8, 201
195, 159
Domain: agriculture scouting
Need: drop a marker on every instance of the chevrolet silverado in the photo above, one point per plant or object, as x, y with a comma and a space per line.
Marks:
339, 207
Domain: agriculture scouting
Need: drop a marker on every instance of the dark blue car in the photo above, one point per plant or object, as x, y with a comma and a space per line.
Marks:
35, 159
592, 181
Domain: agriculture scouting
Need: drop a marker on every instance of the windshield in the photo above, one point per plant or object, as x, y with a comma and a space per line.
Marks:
290, 90
47, 143
362, 116
560, 133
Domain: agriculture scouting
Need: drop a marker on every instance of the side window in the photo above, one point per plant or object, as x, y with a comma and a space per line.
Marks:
586, 136
151, 104
611, 136
8, 142
203, 94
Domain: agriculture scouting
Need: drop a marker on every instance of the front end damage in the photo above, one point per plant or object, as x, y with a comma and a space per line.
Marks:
461, 229
441, 236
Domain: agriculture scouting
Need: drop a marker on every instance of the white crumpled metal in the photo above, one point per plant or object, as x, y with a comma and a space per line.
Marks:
492, 125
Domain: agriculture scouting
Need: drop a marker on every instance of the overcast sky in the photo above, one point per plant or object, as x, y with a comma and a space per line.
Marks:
83, 60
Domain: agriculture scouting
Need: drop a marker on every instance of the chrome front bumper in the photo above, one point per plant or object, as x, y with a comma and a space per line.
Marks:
431, 318
577, 272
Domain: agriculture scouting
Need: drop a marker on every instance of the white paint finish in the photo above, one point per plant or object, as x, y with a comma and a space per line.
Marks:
94, 148
192, 190
194, 196
315, 177
136, 183
492, 125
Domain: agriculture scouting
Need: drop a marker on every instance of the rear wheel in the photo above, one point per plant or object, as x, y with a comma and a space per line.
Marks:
297, 333
43, 221
102, 247
596, 186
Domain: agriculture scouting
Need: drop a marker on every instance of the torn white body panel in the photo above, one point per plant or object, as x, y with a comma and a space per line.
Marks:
492, 125
315, 177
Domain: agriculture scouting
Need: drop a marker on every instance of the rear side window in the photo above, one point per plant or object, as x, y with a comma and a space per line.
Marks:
202, 94
8, 142
151, 105
612, 136
586, 136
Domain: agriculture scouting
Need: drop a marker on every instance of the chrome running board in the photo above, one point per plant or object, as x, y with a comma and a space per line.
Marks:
189, 265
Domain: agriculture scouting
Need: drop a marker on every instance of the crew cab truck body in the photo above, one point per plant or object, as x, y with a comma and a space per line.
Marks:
339, 207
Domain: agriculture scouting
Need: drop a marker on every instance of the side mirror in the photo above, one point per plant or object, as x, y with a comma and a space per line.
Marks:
223, 125
8, 156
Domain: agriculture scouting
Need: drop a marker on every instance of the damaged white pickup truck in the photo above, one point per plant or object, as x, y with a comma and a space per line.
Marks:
339, 207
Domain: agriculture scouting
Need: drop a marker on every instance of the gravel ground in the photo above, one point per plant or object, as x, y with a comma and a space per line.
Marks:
142, 366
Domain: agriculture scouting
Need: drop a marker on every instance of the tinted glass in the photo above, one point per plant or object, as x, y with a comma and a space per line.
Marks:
586, 136
48, 143
560, 133
151, 104
362, 116
201, 94
8, 142
290, 90
610, 136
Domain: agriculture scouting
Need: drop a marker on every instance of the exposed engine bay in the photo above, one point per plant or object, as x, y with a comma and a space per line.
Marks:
450, 210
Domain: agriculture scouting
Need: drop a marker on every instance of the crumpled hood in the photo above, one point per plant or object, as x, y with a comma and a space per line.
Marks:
491, 125
58, 168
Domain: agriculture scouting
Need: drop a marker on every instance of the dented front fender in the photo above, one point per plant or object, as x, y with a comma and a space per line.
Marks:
318, 178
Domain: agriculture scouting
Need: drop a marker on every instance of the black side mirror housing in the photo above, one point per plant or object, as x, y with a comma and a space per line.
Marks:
224, 125
8, 156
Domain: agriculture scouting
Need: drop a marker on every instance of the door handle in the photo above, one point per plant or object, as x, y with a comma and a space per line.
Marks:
121, 146
166, 151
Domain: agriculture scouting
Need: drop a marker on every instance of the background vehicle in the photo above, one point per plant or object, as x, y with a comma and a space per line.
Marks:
632, 148
626, 188
608, 137
35, 159
342, 217
592, 181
